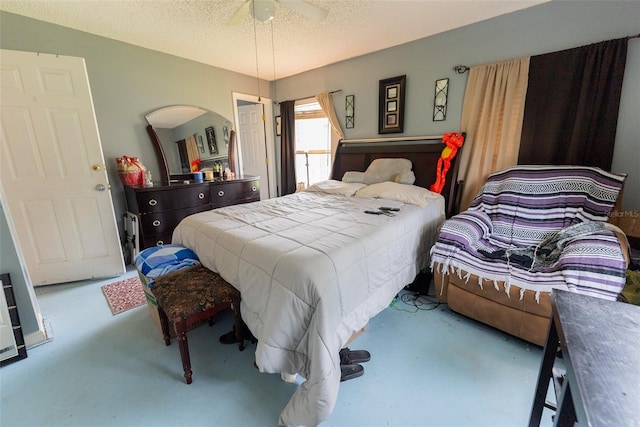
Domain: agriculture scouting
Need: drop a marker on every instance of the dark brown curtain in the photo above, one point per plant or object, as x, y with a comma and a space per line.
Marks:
288, 148
571, 109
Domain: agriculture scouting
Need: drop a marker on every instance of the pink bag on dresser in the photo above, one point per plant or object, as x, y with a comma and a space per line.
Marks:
130, 170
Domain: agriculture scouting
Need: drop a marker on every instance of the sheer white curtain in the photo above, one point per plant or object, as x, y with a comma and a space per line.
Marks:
326, 103
492, 115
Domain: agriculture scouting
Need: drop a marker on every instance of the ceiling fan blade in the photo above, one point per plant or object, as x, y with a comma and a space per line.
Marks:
243, 11
304, 8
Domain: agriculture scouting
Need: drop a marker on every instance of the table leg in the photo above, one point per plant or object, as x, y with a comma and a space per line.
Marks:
566, 413
545, 375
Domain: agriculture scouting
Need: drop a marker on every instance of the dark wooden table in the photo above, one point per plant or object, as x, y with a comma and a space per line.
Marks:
600, 342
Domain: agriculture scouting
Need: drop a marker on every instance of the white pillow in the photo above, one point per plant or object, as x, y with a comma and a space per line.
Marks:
353, 176
332, 186
405, 178
380, 170
404, 193
386, 169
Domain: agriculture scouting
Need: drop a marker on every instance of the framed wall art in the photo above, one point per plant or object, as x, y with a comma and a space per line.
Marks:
225, 135
278, 125
349, 109
391, 107
211, 140
13, 346
200, 144
440, 100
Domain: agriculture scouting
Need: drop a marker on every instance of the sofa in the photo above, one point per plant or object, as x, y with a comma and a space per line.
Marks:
529, 230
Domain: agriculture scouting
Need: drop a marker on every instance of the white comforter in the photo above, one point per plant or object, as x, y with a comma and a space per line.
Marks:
312, 269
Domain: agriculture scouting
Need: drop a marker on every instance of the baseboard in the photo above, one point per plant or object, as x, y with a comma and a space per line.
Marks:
39, 337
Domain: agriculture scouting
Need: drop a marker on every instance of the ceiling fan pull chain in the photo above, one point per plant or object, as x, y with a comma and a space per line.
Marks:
255, 39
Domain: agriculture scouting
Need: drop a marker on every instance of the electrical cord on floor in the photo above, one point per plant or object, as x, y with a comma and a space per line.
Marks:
418, 301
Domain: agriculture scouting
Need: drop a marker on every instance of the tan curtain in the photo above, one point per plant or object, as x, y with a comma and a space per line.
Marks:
192, 150
326, 103
492, 115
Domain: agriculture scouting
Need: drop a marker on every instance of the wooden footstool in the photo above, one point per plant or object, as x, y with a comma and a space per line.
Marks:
189, 296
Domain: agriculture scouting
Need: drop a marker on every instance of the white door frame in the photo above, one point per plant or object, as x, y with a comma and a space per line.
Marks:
269, 139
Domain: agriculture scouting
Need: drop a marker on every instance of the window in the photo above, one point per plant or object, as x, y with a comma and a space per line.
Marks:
313, 143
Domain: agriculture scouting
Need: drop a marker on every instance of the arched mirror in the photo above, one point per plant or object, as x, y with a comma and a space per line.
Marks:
188, 138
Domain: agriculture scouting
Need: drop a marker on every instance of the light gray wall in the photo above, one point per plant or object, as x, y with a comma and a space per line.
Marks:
540, 29
128, 82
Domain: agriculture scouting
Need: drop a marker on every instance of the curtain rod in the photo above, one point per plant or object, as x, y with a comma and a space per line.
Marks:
461, 69
311, 96
392, 139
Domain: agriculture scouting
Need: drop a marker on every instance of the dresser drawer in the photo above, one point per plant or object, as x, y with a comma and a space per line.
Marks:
233, 192
156, 239
161, 222
163, 200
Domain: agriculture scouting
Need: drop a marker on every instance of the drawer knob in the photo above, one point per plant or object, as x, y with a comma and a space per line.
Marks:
220, 193
253, 188
201, 196
153, 202
159, 243
156, 223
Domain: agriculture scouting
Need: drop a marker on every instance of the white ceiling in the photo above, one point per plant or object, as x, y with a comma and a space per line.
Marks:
199, 30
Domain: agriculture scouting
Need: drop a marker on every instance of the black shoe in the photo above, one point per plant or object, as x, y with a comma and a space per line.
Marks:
349, 357
349, 372
230, 337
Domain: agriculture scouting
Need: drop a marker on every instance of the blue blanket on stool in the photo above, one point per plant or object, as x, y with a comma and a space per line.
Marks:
159, 260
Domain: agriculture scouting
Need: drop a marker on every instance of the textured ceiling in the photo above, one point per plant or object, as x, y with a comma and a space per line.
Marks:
199, 30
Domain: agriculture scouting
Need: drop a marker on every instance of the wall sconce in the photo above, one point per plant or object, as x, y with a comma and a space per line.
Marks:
440, 100
349, 107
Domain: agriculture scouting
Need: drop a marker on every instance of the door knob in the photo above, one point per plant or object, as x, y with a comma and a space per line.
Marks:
100, 187
97, 168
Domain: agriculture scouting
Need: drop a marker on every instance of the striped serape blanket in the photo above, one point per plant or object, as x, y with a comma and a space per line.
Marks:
524, 206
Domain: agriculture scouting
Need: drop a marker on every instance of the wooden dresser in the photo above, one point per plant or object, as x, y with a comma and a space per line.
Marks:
160, 208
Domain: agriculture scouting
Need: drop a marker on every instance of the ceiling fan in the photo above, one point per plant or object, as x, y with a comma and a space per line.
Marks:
265, 10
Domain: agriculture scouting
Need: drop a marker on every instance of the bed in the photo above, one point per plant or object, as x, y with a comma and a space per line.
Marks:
313, 267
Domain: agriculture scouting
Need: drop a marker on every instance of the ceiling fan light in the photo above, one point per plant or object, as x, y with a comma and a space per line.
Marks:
264, 10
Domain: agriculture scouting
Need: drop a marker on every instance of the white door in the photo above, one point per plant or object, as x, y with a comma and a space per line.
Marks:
53, 180
251, 136
266, 146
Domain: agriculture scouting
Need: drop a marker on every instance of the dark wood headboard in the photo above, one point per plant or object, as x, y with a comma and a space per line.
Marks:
423, 151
